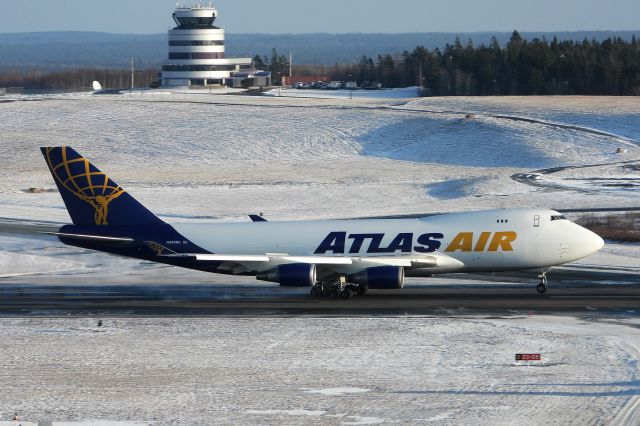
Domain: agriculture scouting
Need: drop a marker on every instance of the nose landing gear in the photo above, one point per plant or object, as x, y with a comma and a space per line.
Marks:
542, 287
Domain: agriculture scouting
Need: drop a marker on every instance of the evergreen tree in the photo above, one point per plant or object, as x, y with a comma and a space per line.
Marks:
259, 63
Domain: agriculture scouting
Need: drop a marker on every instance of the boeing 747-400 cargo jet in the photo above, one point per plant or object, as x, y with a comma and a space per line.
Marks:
335, 258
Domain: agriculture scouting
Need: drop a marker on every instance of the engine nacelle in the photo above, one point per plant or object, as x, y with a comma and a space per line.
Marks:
380, 278
291, 275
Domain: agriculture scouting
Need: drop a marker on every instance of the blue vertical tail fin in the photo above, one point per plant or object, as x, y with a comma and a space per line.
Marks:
91, 197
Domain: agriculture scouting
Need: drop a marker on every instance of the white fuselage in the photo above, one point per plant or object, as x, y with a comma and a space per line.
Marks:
493, 240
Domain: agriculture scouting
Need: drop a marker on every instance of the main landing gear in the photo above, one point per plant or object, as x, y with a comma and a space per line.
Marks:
542, 287
338, 289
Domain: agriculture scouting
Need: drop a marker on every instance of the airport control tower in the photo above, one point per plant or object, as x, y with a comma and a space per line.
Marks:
197, 56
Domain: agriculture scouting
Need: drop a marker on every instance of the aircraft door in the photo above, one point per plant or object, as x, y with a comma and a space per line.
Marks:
536, 221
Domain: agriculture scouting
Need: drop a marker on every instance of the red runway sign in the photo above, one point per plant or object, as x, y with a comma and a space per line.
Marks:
528, 357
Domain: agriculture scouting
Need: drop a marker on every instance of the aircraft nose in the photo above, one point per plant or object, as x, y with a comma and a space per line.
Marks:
589, 242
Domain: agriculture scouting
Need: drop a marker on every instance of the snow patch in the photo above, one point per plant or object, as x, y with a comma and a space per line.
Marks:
403, 93
302, 412
18, 264
337, 391
359, 420
442, 416
103, 423
82, 423
456, 188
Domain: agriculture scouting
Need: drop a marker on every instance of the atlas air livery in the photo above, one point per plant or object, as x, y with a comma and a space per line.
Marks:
334, 258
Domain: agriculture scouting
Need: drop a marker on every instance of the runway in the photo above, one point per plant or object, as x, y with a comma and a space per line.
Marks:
568, 292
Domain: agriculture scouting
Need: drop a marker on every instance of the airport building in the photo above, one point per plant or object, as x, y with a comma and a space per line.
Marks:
197, 54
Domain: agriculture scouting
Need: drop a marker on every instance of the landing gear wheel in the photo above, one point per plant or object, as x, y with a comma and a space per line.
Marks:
346, 293
316, 291
362, 290
335, 292
542, 287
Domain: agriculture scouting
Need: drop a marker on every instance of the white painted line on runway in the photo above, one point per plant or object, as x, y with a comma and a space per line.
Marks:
595, 297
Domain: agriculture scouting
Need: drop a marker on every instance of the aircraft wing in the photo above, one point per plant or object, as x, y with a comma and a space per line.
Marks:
329, 264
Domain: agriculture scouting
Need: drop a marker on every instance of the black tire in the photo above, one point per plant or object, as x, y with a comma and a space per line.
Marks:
346, 294
316, 292
541, 288
335, 293
362, 290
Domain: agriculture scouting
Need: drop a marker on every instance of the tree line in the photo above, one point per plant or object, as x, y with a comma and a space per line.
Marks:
521, 67
536, 67
76, 79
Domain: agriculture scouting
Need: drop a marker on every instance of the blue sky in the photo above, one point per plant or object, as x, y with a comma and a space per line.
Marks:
335, 16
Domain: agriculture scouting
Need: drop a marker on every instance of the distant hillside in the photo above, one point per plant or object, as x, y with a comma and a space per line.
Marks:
59, 50
53, 51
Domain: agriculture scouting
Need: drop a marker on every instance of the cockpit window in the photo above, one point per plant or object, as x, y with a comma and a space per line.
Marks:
559, 217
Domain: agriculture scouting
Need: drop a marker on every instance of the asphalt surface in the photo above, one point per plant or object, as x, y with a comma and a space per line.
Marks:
570, 290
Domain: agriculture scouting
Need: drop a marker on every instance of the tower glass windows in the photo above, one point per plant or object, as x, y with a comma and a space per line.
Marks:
194, 22
196, 42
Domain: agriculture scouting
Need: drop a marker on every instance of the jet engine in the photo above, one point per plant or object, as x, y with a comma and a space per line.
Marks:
291, 275
379, 278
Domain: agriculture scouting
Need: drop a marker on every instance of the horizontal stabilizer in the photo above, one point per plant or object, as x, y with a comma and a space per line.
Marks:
27, 227
98, 238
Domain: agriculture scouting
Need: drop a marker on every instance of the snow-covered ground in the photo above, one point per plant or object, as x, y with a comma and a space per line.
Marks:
191, 156
335, 371
406, 93
225, 156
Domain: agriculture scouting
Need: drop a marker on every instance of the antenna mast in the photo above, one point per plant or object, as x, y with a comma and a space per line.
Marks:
290, 65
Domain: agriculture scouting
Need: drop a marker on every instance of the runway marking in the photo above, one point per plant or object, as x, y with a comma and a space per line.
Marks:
596, 297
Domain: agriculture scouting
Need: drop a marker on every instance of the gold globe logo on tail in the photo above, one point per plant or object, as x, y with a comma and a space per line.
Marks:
92, 187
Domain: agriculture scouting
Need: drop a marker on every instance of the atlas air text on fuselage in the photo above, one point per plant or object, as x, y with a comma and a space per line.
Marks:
405, 242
